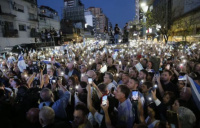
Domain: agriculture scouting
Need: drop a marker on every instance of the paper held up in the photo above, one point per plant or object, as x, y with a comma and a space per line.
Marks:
139, 67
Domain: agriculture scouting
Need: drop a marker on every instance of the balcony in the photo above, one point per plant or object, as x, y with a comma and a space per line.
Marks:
31, 1
34, 19
7, 14
10, 33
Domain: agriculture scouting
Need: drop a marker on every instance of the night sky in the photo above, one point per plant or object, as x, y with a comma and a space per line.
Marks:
118, 11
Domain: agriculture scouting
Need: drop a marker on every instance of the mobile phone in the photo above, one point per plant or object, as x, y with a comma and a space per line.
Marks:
104, 100
90, 80
135, 95
34, 62
168, 66
53, 81
153, 88
172, 118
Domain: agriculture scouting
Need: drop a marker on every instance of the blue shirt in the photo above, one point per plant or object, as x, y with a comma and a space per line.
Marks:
125, 114
59, 106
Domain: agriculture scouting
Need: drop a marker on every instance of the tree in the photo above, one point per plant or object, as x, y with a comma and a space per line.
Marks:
185, 26
161, 15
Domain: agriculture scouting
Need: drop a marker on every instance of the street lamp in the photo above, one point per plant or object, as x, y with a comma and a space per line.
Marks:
144, 9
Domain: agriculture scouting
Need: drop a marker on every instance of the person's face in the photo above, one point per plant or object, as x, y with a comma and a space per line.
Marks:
131, 84
151, 112
149, 64
78, 117
70, 82
175, 106
70, 66
118, 94
144, 88
49, 72
83, 69
29, 63
79, 89
181, 84
165, 76
109, 61
13, 83
98, 67
166, 99
106, 79
46, 78
125, 79
197, 68
141, 75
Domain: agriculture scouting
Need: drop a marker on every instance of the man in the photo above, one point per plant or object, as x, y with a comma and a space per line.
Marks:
133, 85
144, 62
70, 70
116, 34
125, 112
50, 73
58, 106
92, 74
46, 117
83, 70
80, 117
108, 79
126, 33
164, 83
32, 116
143, 75
125, 78
111, 67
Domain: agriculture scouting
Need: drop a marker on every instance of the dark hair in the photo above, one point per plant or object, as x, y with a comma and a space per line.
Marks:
170, 73
144, 71
182, 102
172, 97
83, 86
148, 84
82, 107
102, 87
72, 79
125, 90
110, 75
18, 82
136, 80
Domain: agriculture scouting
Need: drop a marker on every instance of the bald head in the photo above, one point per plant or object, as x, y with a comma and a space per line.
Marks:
33, 115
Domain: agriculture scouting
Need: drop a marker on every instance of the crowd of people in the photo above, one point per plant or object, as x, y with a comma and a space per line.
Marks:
95, 85
51, 35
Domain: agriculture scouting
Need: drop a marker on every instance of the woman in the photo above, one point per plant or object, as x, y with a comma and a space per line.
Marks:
186, 117
151, 120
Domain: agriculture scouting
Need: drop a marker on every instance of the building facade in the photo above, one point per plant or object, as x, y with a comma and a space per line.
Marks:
186, 25
48, 18
74, 11
21, 21
18, 22
100, 20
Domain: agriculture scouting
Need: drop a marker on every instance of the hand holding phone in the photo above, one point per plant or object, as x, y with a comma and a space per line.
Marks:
104, 100
135, 95
90, 80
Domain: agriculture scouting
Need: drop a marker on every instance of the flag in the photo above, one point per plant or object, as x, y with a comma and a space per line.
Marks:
21, 63
4, 56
